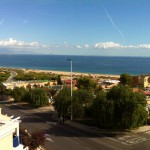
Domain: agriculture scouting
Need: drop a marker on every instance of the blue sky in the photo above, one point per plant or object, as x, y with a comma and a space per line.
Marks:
75, 27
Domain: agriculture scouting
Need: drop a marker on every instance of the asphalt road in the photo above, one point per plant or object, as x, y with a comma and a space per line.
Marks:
66, 137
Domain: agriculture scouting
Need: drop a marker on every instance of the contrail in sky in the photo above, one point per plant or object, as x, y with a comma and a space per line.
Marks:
113, 23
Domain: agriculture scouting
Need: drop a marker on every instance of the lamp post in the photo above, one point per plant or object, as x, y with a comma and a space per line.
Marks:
71, 117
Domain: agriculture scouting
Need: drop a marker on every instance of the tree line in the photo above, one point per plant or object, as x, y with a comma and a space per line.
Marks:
37, 96
119, 107
22, 76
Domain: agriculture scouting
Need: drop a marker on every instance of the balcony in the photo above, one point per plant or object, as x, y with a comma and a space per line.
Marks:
17, 143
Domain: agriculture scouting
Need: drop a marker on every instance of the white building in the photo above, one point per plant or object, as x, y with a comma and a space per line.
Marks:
9, 133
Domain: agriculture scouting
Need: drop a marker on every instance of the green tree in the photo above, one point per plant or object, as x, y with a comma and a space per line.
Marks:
86, 83
62, 101
59, 81
2, 90
82, 101
4, 75
102, 110
126, 79
129, 107
120, 108
18, 94
37, 97
53, 92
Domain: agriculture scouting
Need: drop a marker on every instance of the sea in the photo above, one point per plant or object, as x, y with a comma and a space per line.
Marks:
84, 64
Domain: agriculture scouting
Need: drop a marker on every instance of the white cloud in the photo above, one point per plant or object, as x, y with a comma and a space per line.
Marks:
86, 46
147, 46
66, 45
78, 46
111, 45
106, 45
82, 46
19, 44
12, 43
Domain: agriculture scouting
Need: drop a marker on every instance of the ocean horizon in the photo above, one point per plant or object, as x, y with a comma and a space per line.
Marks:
85, 64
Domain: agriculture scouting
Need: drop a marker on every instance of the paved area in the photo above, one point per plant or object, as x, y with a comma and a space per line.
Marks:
129, 137
143, 129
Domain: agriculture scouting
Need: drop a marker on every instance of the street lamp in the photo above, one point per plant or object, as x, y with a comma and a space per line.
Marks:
71, 117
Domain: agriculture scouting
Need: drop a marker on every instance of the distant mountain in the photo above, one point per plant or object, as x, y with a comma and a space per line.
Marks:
6, 51
9, 51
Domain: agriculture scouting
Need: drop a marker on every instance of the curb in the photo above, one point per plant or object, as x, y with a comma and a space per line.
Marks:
94, 130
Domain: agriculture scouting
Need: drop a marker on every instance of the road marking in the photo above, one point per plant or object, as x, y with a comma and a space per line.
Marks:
49, 139
123, 137
124, 143
47, 136
147, 132
72, 140
105, 144
135, 141
42, 126
52, 123
36, 110
24, 111
111, 139
14, 104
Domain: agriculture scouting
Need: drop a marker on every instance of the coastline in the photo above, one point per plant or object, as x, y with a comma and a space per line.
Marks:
65, 73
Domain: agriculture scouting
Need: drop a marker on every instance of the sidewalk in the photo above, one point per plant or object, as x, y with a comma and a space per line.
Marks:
6, 101
96, 130
145, 128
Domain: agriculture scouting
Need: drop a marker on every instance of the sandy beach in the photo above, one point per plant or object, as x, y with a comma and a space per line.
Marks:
65, 73
73, 73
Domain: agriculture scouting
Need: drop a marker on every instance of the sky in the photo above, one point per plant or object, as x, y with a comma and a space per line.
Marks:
75, 27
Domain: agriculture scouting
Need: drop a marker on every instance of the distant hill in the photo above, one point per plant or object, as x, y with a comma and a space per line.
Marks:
6, 51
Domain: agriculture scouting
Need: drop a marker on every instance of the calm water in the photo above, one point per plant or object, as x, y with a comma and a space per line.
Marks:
86, 64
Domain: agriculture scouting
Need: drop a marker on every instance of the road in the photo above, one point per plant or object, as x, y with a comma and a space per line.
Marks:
12, 75
66, 137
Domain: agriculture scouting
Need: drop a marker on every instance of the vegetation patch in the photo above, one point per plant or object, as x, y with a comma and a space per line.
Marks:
4, 75
28, 76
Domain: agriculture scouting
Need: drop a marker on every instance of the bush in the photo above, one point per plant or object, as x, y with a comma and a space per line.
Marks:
37, 97
34, 140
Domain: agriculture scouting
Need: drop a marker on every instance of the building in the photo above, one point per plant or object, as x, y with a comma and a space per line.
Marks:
68, 83
142, 81
26, 84
10, 139
108, 84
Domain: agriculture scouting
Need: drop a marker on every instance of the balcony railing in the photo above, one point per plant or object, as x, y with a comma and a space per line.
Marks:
17, 140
